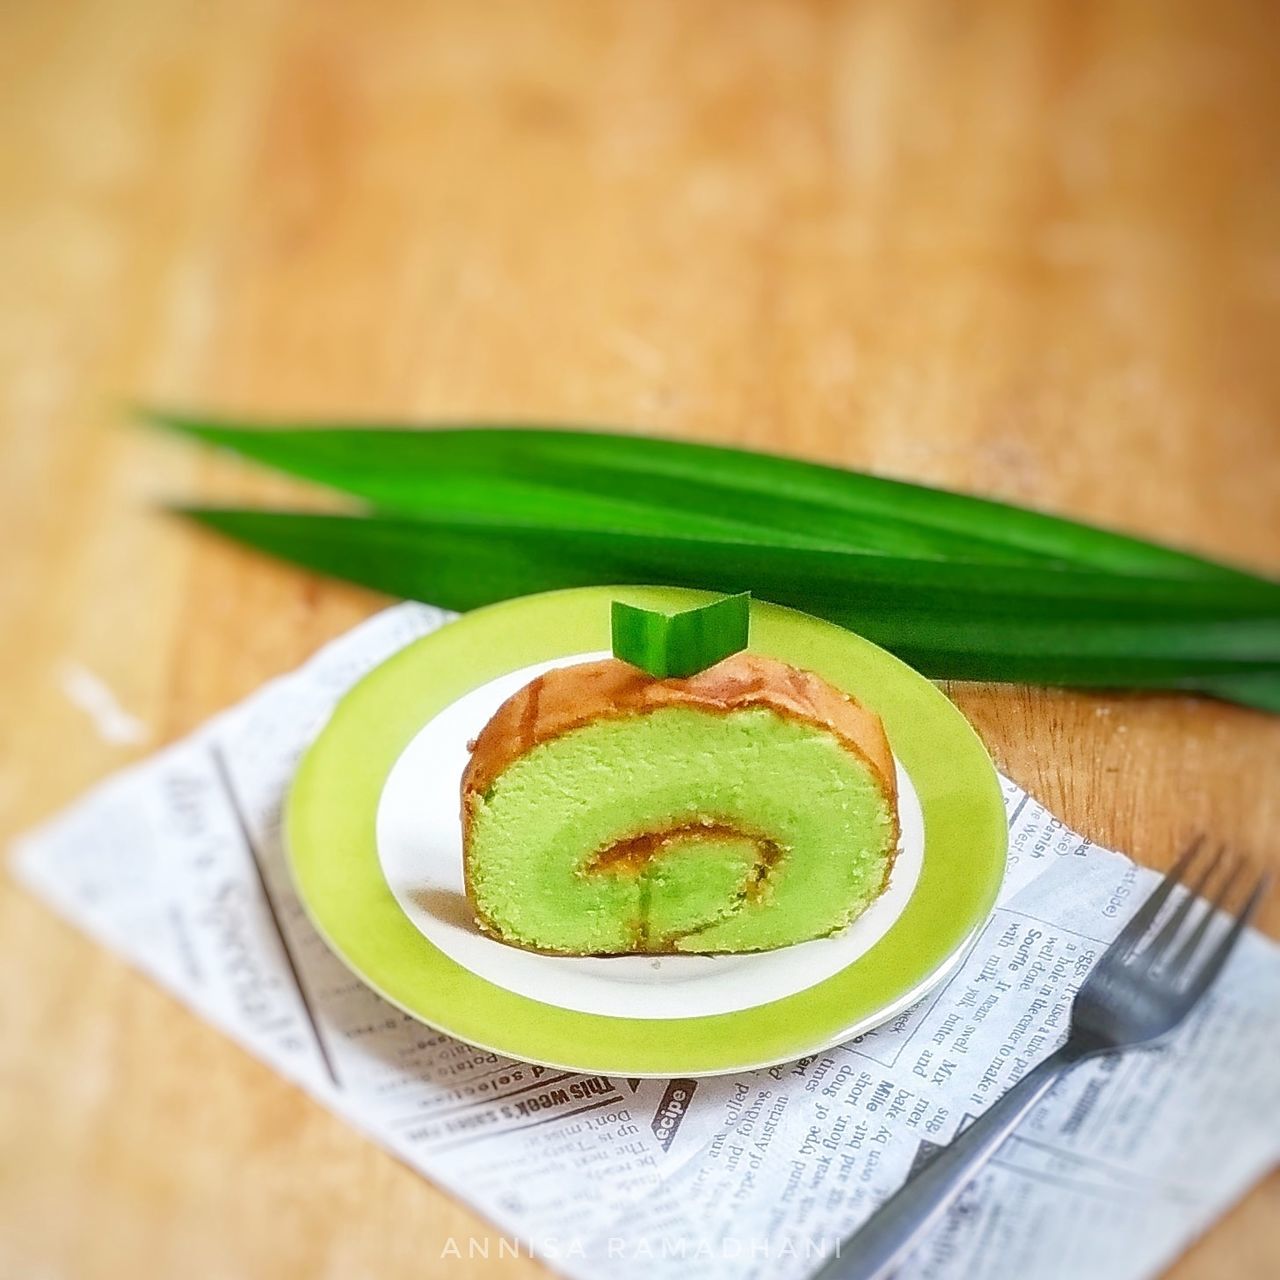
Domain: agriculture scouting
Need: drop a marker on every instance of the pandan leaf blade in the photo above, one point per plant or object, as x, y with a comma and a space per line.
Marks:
1070, 638
425, 471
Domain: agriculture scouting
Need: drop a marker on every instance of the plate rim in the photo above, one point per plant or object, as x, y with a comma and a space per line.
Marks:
959, 786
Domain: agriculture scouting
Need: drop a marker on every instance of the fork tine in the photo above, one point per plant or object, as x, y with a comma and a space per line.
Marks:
1170, 929
1207, 913
1211, 967
1136, 929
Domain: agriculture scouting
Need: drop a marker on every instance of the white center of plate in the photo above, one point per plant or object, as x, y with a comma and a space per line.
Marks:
419, 837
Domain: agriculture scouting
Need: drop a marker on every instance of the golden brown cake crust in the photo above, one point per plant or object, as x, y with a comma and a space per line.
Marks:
570, 697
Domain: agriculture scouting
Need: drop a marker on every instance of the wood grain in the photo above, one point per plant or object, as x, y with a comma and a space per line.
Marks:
1025, 249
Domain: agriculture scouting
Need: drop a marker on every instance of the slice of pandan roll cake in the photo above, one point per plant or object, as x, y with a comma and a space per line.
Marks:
607, 809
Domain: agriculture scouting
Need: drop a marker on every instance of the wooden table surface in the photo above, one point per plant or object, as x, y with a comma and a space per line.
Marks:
1025, 249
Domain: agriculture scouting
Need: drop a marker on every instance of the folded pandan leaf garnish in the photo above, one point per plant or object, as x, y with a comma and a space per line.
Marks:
960, 587
684, 643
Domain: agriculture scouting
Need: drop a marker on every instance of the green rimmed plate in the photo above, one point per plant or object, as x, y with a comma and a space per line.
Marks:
375, 848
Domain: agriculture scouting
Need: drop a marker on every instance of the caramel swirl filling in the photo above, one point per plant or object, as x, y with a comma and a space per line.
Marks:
636, 855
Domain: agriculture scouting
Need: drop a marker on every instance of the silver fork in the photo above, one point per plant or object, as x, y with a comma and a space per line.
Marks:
1139, 990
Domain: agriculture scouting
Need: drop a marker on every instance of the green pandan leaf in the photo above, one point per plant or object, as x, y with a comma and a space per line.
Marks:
950, 620
681, 644
646, 484
944, 599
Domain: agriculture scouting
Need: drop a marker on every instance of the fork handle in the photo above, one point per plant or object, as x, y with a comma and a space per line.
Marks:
883, 1240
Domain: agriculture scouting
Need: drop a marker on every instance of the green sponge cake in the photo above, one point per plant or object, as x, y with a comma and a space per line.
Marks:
746, 807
